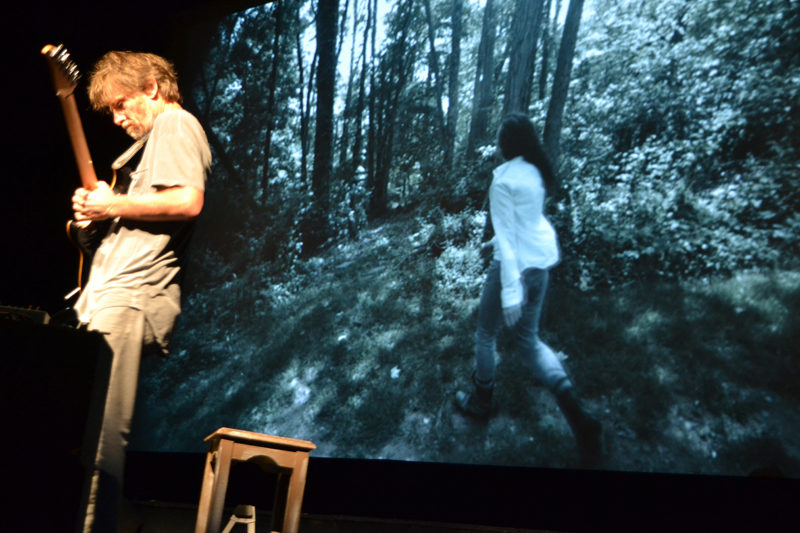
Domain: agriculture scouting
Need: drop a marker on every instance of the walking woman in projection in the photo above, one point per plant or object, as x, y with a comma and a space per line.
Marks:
524, 248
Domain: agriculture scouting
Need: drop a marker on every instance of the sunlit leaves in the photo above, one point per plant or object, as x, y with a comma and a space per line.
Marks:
683, 140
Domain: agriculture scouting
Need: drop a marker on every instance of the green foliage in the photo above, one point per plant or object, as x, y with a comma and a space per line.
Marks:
680, 163
255, 203
362, 349
681, 153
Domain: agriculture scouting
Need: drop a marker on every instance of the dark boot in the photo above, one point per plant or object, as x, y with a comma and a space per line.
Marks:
588, 431
477, 404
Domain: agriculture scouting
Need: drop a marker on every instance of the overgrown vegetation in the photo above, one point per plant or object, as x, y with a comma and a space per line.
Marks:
363, 352
675, 305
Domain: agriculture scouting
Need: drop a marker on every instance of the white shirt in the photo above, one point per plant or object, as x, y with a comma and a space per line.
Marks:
523, 236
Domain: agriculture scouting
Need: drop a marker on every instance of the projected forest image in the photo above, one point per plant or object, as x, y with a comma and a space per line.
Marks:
336, 269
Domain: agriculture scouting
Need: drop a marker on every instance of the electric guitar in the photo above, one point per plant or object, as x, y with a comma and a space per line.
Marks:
65, 80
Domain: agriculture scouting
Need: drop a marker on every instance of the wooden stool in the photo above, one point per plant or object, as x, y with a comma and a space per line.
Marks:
287, 457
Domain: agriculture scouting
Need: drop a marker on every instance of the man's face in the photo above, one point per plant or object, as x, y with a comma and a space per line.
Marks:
133, 113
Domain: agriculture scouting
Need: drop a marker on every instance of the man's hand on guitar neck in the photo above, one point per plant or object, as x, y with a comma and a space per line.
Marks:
93, 205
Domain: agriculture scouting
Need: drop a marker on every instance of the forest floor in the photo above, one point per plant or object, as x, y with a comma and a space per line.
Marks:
362, 349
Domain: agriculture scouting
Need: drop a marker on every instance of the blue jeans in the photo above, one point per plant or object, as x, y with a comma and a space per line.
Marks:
538, 356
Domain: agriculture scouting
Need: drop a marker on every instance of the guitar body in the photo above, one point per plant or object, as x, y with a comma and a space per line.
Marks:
86, 239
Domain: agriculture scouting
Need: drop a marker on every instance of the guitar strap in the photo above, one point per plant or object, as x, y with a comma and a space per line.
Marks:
127, 163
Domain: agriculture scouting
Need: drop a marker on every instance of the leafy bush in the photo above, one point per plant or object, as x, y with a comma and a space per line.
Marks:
696, 174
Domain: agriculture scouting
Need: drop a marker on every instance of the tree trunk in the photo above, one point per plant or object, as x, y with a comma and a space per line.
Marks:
341, 33
348, 113
304, 98
433, 63
372, 112
358, 134
452, 83
396, 69
327, 19
525, 30
561, 79
484, 82
272, 86
547, 39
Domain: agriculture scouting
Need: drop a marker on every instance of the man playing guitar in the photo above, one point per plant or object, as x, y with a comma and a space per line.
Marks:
132, 295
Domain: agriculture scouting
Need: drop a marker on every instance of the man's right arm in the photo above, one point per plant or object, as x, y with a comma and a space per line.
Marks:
171, 203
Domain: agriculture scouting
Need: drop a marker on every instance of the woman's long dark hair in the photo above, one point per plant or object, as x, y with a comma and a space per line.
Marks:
516, 137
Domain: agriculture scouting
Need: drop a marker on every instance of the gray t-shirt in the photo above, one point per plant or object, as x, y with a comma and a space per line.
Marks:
138, 263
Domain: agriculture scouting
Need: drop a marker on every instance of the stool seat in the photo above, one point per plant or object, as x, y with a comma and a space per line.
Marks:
287, 457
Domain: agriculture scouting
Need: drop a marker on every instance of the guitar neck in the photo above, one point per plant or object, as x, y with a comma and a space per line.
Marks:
65, 78
78, 140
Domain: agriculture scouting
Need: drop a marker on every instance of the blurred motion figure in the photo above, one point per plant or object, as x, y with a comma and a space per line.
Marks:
524, 248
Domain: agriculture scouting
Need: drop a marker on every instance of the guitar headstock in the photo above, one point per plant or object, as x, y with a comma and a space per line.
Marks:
65, 71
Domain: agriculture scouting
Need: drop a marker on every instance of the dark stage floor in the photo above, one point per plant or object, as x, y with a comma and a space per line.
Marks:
170, 518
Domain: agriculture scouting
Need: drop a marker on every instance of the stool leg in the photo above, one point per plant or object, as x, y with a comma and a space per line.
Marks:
279, 503
204, 507
215, 485
223, 471
294, 497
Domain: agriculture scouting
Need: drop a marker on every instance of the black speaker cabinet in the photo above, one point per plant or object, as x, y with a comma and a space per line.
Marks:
49, 376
